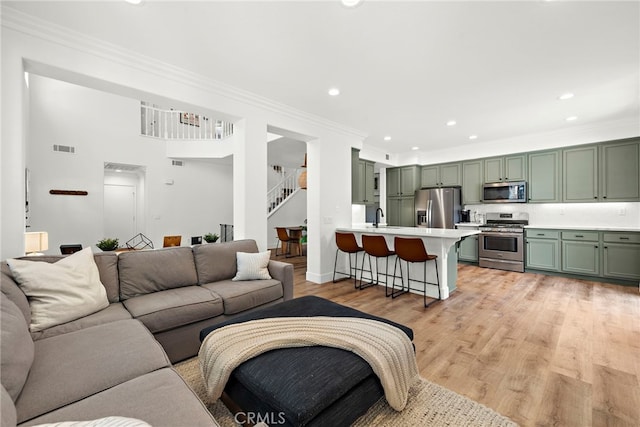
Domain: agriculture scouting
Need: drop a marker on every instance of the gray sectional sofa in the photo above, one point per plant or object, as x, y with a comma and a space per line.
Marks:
117, 361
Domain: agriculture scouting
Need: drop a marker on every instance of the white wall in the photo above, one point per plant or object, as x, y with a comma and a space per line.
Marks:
105, 128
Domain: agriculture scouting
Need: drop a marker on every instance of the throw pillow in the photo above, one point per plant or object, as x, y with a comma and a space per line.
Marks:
114, 421
60, 292
252, 266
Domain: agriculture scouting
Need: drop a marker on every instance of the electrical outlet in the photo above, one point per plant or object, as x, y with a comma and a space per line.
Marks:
622, 211
561, 211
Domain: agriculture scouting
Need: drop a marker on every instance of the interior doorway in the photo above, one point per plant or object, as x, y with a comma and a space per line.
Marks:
123, 201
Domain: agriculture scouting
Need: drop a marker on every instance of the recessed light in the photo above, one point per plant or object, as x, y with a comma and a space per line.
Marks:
565, 96
387, 138
572, 118
133, 1
451, 123
334, 91
473, 137
415, 148
351, 3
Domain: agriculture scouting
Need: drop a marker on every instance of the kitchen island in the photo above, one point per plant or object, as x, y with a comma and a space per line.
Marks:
437, 241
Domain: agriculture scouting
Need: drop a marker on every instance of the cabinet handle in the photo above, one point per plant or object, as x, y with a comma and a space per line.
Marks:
606, 247
579, 235
604, 197
595, 197
596, 246
540, 234
624, 238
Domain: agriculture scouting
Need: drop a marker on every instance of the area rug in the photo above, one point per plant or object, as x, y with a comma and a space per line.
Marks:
429, 405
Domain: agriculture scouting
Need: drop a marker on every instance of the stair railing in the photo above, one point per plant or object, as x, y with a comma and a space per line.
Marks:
282, 191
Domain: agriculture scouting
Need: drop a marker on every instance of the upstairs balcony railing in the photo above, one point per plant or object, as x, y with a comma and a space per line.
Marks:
174, 124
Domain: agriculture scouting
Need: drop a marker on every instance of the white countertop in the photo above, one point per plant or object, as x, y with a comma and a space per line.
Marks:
583, 227
442, 233
469, 224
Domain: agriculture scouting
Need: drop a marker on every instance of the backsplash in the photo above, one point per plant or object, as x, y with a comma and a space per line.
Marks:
570, 214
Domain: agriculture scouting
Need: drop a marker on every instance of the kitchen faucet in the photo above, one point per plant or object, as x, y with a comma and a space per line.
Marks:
377, 222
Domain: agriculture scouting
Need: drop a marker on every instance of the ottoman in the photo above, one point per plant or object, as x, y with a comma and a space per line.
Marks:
305, 386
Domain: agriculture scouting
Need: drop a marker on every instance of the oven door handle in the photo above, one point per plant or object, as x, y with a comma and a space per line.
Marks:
500, 234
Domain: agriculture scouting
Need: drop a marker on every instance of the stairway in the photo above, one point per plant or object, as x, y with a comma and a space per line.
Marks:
283, 191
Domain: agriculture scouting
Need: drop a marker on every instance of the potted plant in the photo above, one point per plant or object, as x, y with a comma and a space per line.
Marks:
211, 237
108, 244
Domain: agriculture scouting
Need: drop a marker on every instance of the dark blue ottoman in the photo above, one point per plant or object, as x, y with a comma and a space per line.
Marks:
305, 386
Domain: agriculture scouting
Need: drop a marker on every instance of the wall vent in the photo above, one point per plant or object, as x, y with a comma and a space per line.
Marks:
177, 163
64, 148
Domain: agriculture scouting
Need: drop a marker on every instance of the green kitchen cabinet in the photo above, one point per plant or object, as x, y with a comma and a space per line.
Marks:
542, 249
362, 176
621, 255
580, 174
507, 168
619, 175
468, 250
402, 181
545, 177
472, 180
444, 175
400, 211
581, 257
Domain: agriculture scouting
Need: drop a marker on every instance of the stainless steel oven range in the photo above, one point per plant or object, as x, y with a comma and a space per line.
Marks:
501, 242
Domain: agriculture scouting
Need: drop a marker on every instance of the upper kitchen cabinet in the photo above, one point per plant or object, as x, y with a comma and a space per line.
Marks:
362, 177
620, 171
545, 177
472, 180
445, 175
602, 173
402, 181
508, 168
580, 174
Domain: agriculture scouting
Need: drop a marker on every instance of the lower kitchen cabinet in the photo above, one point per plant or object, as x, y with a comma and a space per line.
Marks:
468, 250
543, 254
621, 255
581, 257
401, 211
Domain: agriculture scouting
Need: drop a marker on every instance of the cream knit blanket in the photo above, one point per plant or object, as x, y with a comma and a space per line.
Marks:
386, 348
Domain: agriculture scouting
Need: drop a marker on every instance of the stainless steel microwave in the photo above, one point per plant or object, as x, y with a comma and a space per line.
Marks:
504, 192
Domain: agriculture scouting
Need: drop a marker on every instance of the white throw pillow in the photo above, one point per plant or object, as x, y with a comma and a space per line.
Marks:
60, 292
253, 266
100, 422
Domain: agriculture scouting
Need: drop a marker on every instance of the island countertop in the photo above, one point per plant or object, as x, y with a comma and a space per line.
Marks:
443, 233
438, 241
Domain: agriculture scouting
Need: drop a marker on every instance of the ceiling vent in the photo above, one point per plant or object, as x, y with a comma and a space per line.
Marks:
177, 163
122, 167
64, 148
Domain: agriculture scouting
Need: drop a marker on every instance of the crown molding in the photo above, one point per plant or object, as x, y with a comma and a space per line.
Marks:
53, 33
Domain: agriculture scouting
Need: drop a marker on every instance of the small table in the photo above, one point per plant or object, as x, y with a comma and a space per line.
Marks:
321, 386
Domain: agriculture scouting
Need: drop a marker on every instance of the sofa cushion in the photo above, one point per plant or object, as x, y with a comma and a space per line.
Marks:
164, 310
100, 422
242, 295
8, 416
60, 292
73, 366
11, 289
144, 272
16, 347
160, 398
112, 313
217, 261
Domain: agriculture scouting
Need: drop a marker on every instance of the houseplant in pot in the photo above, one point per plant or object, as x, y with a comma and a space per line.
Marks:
210, 237
108, 244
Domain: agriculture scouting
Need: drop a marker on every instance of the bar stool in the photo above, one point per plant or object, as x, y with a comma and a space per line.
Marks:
412, 250
347, 243
375, 246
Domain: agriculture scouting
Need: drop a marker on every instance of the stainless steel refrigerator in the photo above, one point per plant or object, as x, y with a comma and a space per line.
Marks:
438, 207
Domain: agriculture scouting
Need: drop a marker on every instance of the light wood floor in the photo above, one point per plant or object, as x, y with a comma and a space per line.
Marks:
542, 350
